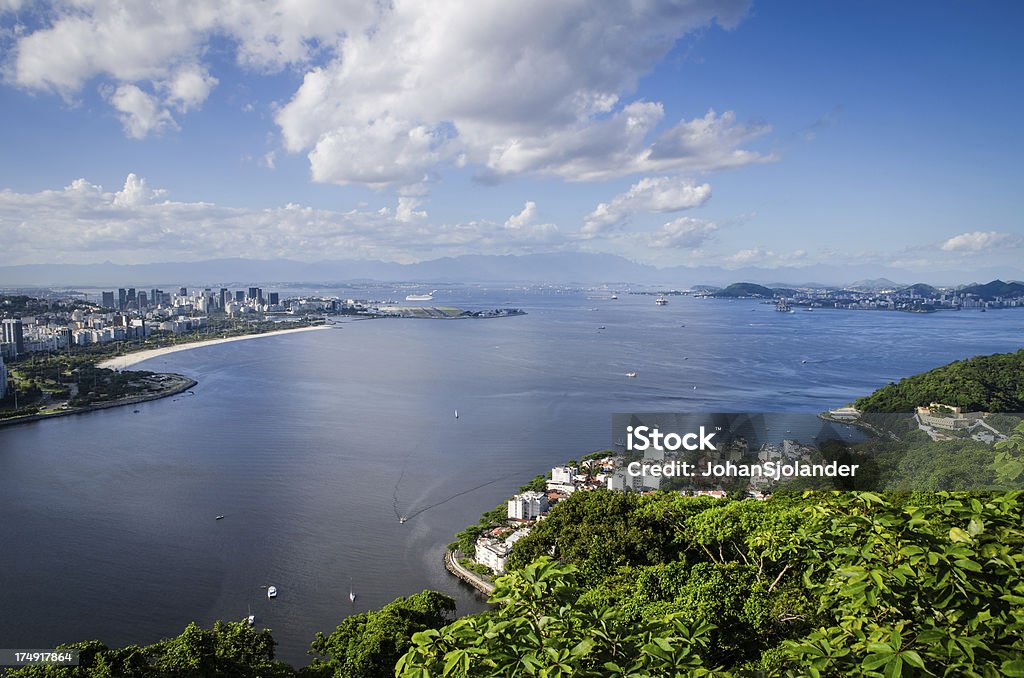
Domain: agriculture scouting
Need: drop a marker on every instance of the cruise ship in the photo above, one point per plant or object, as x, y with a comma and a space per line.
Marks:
420, 297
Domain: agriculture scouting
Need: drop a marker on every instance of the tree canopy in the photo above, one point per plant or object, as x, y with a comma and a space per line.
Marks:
992, 383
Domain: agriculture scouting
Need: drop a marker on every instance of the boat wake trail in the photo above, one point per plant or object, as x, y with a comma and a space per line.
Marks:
424, 509
398, 483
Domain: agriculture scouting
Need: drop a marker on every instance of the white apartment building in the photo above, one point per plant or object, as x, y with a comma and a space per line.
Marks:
493, 553
527, 506
562, 475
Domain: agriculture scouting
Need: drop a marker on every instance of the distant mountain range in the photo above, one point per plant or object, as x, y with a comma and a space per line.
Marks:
561, 268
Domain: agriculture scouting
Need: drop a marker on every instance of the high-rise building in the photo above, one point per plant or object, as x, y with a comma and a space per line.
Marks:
182, 291
223, 298
131, 296
3, 379
143, 301
122, 298
108, 300
274, 298
239, 295
14, 334
253, 292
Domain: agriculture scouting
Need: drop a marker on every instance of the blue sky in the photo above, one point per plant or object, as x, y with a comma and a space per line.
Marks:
709, 132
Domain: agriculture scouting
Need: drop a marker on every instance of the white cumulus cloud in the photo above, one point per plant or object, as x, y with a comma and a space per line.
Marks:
141, 113
650, 194
190, 86
979, 241
393, 92
84, 223
767, 258
684, 232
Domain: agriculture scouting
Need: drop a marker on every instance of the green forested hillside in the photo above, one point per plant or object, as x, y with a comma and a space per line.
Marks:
822, 584
826, 584
992, 383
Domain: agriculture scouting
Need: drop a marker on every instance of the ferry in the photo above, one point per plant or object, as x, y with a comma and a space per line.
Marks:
661, 301
271, 592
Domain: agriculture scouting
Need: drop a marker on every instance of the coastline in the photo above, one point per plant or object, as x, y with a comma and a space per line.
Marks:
184, 384
123, 361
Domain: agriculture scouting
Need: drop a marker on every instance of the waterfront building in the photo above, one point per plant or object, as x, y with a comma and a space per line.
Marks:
3, 379
562, 475
527, 506
14, 333
493, 553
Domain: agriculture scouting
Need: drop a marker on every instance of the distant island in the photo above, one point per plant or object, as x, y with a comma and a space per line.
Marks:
875, 296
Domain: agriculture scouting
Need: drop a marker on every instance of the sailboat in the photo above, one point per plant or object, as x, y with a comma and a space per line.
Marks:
351, 593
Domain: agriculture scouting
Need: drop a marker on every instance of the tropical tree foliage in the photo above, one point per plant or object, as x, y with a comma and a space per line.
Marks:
367, 645
932, 587
992, 383
229, 650
542, 629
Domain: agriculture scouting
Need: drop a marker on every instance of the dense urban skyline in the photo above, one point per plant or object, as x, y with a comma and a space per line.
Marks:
714, 133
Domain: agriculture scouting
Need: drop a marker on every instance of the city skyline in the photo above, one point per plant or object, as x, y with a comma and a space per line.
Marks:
716, 133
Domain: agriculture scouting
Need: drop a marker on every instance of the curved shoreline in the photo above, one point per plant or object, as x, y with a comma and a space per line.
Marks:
185, 384
123, 361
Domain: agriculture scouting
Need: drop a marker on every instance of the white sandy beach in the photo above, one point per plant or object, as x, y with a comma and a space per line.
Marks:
123, 361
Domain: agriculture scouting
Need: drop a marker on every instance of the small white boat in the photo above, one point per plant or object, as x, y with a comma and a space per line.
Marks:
615, 296
351, 593
631, 375
251, 619
661, 301
219, 518
402, 520
456, 414
271, 592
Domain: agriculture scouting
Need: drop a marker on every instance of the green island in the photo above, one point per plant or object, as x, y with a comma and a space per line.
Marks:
612, 583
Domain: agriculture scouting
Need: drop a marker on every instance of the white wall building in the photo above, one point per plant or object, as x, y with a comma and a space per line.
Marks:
493, 553
527, 506
562, 475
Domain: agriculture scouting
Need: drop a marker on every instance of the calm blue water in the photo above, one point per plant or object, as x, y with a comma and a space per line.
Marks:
312, 444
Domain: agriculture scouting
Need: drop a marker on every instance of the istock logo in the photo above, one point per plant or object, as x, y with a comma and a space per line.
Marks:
643, 437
